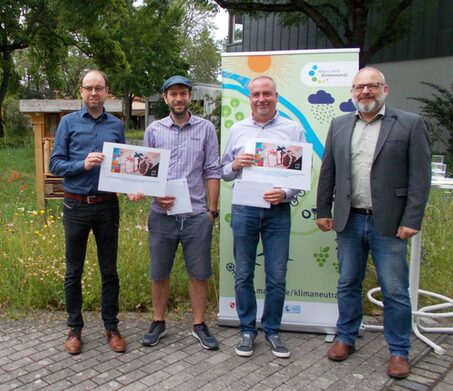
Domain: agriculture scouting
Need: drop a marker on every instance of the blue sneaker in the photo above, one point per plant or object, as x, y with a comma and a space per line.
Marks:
156, 332
206, 339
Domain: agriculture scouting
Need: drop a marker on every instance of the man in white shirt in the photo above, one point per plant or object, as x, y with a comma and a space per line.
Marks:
249, 223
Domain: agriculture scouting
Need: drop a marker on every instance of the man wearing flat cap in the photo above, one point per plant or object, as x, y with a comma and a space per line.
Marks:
194, 156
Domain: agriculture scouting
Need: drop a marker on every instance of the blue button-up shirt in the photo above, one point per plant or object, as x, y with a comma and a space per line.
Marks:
194, 155
78, 134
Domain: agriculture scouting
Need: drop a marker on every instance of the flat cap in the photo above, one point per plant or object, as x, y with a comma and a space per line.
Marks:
177, 80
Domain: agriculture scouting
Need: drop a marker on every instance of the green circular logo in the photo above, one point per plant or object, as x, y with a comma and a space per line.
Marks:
239, 116
228, 124
235, 102
226, 111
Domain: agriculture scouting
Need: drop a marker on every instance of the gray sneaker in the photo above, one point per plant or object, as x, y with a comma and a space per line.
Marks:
244, 347
156, 331
278, 346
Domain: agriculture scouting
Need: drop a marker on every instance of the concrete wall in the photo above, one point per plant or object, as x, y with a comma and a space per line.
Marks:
404, 79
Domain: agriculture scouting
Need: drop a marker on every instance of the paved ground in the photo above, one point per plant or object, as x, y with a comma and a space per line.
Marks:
32, 357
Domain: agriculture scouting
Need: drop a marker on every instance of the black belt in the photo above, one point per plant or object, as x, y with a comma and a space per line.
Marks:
90, 199
362, 211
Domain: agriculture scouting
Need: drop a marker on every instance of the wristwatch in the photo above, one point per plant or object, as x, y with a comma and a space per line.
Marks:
213, 213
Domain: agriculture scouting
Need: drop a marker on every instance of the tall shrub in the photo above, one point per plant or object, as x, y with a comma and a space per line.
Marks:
438, 112
18, 128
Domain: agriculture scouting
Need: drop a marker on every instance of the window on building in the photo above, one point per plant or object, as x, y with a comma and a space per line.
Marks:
236, 28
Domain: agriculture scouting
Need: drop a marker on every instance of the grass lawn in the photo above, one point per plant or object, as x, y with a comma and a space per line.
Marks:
32, 250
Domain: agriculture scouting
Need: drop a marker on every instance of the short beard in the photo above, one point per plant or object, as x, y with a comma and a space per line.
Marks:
179, 114
372, 107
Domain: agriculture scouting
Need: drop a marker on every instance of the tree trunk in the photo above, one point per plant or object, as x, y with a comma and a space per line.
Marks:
127, 108
6, 73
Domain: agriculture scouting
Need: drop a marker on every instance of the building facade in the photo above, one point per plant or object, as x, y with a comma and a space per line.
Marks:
425, 54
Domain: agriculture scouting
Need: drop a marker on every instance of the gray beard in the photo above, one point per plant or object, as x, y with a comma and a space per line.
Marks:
372, 107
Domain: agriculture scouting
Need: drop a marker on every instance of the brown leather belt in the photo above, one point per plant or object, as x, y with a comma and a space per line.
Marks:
89, 199
362, 211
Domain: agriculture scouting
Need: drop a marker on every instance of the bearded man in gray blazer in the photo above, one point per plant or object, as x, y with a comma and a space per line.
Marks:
376, 165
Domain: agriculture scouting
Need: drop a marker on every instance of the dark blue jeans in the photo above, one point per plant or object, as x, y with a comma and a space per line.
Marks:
274, 226
79, 219
389, 256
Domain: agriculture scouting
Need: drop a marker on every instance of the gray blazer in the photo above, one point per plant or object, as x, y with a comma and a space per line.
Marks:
400, 174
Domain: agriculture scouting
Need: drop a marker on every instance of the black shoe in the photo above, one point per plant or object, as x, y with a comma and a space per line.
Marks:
156, 331
206, 339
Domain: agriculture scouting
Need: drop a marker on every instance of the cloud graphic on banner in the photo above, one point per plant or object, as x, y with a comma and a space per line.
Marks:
321, 106
347, 107
321, 97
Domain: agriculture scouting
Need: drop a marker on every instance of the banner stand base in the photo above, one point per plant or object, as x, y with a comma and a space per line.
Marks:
285, 326
329, 338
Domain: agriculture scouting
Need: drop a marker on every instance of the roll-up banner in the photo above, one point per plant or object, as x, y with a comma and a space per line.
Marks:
314, 87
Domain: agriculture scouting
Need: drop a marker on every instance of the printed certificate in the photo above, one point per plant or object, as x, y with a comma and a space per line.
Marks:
282, 163
179, 189
132, 168
251, 193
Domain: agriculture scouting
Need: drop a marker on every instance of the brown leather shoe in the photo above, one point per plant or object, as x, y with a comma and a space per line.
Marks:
398, 367
340, 351
73, 344
116, 341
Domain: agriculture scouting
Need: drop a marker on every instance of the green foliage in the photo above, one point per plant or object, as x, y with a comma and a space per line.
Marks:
22, 24
134, 134
215, 114
31, 26
198, 15
203, 55
200, 50
22, 21
160, 109
150, 39
18, 129
34, 80
91, 26
15, 142
196, 108
438, 111
50, 43
436, 267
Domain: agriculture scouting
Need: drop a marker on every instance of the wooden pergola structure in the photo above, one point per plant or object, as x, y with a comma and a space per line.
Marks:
45, 116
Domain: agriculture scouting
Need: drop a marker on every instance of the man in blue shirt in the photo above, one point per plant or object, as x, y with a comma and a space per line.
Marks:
249, 223
77, 156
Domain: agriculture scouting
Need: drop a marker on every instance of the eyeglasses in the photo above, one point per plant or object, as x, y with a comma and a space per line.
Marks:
91, 89
370, 86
